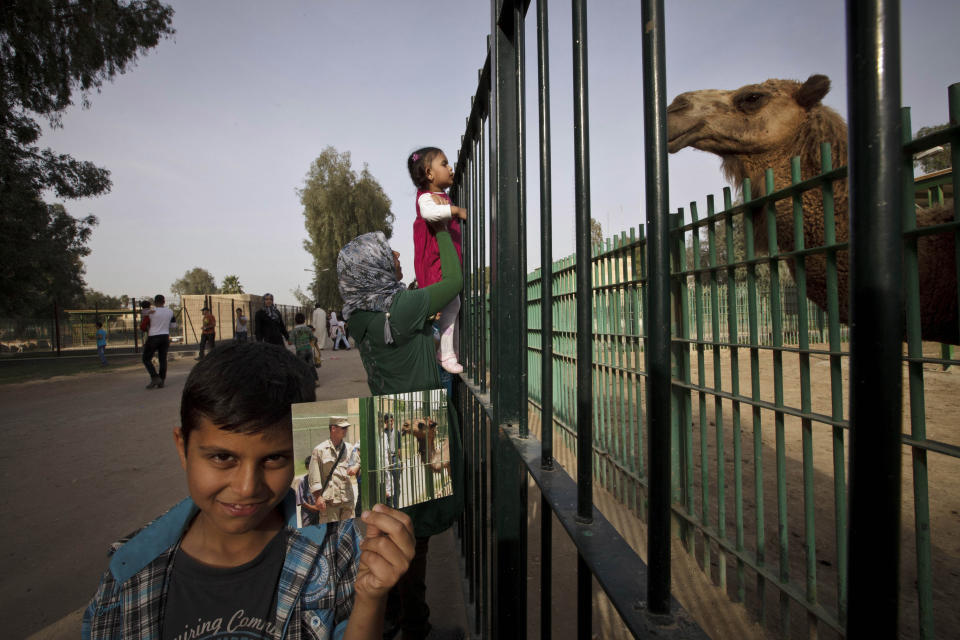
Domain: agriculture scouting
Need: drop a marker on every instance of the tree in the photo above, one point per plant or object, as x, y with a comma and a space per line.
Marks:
596, 232
935, 161
338, 205
48, 50
302, 299
43, 249
93, 299
231, 284
195, 281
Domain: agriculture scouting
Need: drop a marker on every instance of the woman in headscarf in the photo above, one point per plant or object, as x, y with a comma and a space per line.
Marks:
390, 325
269, 323
338, 332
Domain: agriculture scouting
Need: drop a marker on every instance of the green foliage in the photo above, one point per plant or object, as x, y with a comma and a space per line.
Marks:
48, 50
93, 299
231, 284
302, 299
195, 281
937, 161
596, 232
338, 205
42, 248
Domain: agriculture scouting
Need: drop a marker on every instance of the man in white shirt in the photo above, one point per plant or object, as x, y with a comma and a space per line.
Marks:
319, 320
158, 341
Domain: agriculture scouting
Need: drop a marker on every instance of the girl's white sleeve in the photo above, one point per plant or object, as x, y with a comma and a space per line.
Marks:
431, 211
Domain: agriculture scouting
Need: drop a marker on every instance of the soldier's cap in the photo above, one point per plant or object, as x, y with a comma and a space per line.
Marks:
387, 416
339, 421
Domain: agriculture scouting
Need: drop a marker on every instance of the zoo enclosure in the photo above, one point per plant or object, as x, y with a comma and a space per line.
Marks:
630, 415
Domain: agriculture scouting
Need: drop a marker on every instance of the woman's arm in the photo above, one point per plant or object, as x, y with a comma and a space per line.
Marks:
444, 291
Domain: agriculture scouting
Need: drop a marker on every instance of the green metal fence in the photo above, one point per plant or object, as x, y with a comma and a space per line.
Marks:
717, 399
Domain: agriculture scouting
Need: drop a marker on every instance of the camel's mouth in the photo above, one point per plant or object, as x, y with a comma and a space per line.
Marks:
681, 139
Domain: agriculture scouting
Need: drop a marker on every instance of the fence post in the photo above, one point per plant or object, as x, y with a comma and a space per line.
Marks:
56, 324
508, 385
136, 325
876, 312
658, 329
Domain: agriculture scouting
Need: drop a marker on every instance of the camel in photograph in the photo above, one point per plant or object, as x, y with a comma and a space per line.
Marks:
764, 125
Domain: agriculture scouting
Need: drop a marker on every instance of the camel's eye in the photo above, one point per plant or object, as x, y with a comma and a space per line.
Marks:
751, 101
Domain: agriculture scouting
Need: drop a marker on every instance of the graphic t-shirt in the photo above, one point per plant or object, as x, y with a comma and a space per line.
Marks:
236, 603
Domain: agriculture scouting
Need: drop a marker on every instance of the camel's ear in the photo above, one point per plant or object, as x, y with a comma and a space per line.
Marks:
812, 91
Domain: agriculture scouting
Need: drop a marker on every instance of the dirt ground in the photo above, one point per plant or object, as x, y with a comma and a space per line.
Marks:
942, 405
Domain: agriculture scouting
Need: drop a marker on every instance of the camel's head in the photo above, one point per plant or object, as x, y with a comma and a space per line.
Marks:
753, 119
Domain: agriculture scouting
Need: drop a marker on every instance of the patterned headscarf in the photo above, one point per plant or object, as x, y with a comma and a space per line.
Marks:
366, 277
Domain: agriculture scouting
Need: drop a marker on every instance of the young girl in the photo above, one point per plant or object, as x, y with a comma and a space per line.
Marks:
433, 175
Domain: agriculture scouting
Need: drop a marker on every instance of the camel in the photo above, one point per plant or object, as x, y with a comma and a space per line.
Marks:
425, 431
764, 125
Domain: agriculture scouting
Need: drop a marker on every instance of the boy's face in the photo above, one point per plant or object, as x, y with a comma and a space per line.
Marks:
236, 479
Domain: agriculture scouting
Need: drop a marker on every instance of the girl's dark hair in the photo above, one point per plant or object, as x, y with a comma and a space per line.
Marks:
417, 164
245, 388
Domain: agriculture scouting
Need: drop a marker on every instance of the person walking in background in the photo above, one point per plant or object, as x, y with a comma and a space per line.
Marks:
208, 332
390, 461
158, 342
268, 323
240, 329
102, 344
338, 332
303, 339
319, 321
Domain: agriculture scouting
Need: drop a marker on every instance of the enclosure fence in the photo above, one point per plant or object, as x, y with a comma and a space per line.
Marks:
718, 399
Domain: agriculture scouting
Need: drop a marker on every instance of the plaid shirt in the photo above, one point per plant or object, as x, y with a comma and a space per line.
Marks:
315, 592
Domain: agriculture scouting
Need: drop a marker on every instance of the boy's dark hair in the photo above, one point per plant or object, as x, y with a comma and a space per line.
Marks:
144, 304
245, 388
159, 299
299, 318
99, 324
417, 164
205, 309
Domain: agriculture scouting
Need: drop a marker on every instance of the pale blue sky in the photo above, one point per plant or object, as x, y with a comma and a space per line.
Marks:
211, 134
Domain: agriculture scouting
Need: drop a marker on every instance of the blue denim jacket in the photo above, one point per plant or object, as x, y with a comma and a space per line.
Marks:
315, 592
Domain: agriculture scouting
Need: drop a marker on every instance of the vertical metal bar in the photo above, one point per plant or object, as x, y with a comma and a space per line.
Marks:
876, 190
546, 317
508, 391
581, 151
368, 453
915, 376
519, 9
658, 325
56, 323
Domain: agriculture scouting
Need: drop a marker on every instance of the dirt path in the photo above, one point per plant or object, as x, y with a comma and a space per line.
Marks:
84, 460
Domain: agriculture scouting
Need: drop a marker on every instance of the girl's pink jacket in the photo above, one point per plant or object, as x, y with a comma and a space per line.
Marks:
426, 259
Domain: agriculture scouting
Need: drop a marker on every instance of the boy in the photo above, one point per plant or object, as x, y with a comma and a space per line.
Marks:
303, 338
102, 344
228, 561
208, 331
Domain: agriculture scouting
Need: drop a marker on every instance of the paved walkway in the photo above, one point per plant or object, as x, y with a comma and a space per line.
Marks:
86, 459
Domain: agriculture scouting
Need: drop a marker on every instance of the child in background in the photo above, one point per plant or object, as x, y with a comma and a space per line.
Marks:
208, 332
303, 338
102, 344
433, 175
230, 560
145, 312
240, 333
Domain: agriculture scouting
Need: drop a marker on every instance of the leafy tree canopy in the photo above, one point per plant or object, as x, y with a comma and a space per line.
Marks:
93, 299
231, 284
195, 281
338, 205
42, 248
596, 232
936, 161
48, 50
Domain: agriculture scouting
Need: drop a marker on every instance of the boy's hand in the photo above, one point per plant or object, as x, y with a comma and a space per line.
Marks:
458, 212
387, 550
